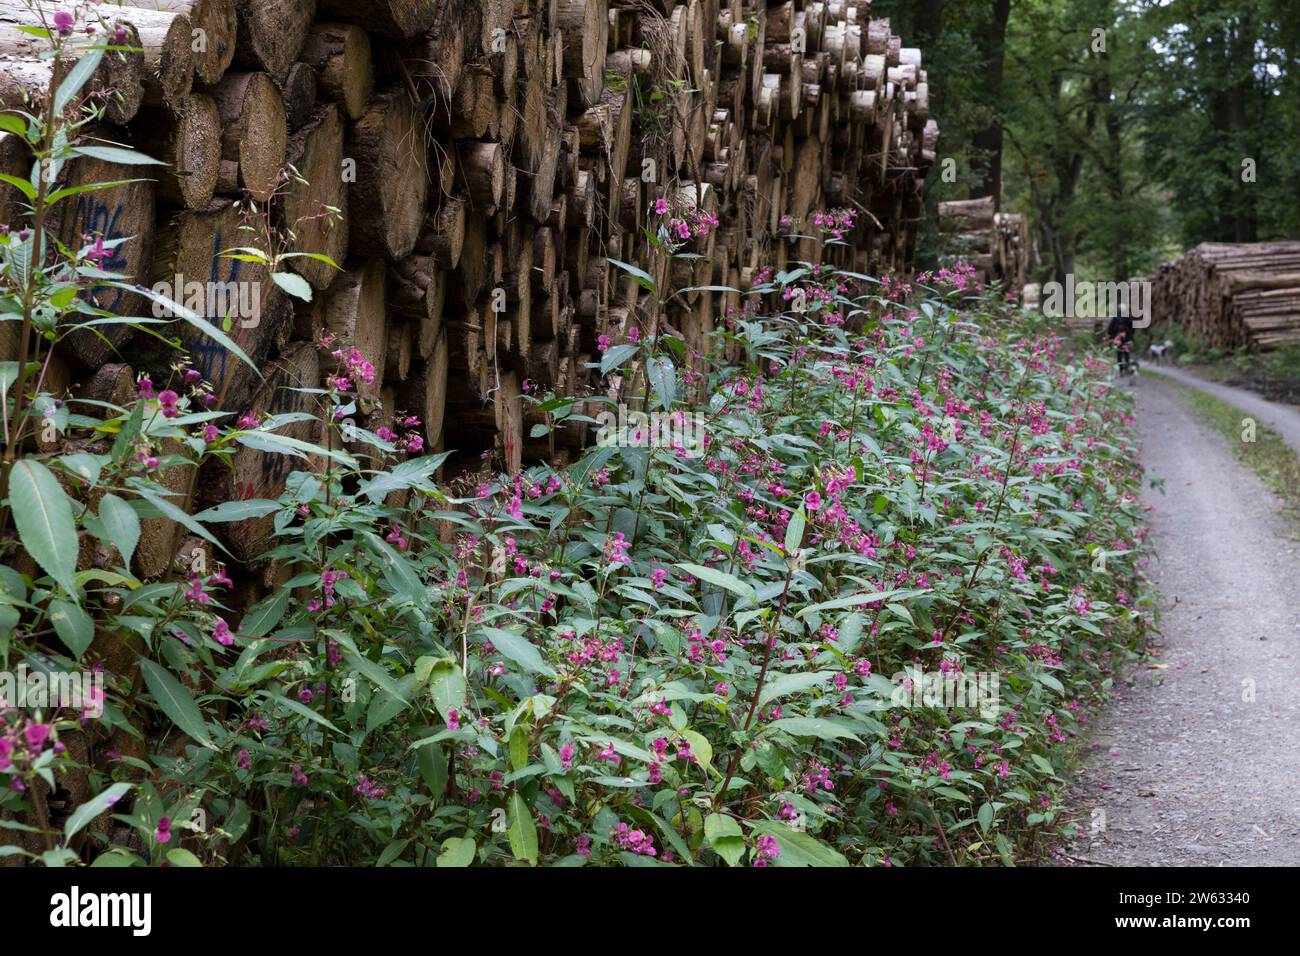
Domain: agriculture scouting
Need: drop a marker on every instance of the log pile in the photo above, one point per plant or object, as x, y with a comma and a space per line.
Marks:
473, 166
995, 243
1233, 295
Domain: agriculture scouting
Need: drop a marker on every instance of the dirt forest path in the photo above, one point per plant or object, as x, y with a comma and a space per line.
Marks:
1198, 763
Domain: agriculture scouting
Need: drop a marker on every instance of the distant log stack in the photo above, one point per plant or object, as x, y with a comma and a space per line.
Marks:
995, 243
472, 166
1011, 250
1233, 295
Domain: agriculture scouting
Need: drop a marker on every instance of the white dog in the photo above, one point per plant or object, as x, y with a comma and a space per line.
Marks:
1160, 350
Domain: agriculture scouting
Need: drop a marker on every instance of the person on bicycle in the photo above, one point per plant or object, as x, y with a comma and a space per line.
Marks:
1120, 331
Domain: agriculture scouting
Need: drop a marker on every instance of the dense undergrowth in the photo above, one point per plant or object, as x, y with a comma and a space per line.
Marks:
667, 654
848, 599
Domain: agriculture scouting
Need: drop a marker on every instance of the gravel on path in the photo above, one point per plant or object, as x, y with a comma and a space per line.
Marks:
1198, 763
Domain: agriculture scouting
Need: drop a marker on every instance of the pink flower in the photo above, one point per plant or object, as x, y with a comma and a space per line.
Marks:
635, 841
63, 23
196, 592
167, 399
616, 549
766, 849
164, 832
221, 633
97, 253
812, 501
36, 735
453, 720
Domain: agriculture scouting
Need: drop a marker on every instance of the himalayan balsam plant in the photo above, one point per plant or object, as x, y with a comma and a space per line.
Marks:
663, 653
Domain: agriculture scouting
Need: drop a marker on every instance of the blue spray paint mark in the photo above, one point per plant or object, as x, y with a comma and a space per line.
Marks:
91, 216
210, 355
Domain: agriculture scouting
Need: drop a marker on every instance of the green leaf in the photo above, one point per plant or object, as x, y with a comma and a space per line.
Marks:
200, 323
42, 513
92, 808
392, 852
1004, 850
853, 600
519, 747
433, 768
263, 616
799, 849
986, 816
117, 154
85, 467
523, 831
517, 648
813, 727
794, 531
415, 471
616, 356
447, 688
725, 836
295, 285
120, 526
175, 700
183, 857
700, 746
641, 276
663, 379
67, 191
169, 510
288, 445
721, 579
457, 852
22, 185
8, 375
77, 77
377, 673
239, 510
782, 684
73, 625
398, 571
301, 709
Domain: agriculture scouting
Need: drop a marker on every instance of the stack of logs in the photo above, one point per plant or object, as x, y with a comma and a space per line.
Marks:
1233, 295
995, 243
473, 165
